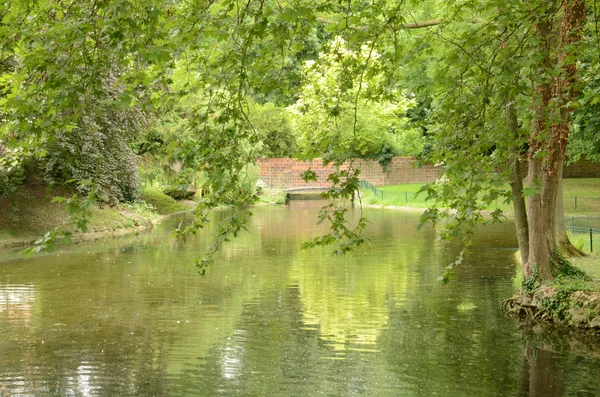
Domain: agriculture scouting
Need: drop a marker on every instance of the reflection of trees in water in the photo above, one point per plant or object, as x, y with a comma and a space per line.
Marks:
348, 298
540, 375
348, 302
273, 353
266, 324
556, 363
119, 320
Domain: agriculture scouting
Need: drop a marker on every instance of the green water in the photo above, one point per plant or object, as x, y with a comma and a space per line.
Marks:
131, 317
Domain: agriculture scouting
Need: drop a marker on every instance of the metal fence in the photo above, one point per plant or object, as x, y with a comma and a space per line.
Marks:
581, 204
584, 226
398, 197
587, 227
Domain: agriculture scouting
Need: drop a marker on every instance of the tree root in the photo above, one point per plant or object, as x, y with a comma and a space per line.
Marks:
568, 250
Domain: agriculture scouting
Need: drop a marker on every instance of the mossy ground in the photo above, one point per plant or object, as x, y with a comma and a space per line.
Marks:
571, 300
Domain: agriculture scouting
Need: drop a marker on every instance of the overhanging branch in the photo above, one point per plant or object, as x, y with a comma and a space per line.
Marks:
415, 25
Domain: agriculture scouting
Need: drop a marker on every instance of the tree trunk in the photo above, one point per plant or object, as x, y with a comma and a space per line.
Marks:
541, 204
516, 185
550, 131
566, 90
542, 213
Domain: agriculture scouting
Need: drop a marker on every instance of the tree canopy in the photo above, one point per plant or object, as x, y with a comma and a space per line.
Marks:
86, 84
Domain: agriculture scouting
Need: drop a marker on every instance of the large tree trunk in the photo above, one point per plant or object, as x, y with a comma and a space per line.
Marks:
566, 89
541, 204
516, 186
542, 214
550, 130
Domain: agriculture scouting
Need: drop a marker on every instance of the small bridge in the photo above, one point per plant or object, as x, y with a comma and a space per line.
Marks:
306, 193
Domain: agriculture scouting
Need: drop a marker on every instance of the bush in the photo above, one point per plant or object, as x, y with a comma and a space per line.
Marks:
97, 149
102, 158
12, 170
162, 203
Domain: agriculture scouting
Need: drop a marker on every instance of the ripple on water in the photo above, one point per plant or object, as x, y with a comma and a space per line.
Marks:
132, 317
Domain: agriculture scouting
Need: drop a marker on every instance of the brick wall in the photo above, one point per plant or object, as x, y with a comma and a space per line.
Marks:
582, 169
285, 173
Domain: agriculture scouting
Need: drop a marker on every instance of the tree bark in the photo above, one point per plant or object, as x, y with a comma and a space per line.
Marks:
541, 217
539, 375
566, 90
516, 185
550, 131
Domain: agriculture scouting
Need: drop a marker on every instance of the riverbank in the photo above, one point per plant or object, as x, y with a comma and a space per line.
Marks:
30, 212
581, 197
571, 301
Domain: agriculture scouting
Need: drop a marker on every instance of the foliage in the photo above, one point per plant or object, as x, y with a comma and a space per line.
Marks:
532, 283
564, 269
79, 209
344, 235
12, 170
559, 304
275, 131
142, 209
585, 131
245, 185
72, 96
162, 203
274, 196
98, 154
337, 117
75, 73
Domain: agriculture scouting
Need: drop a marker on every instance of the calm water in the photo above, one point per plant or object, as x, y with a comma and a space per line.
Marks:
131, 317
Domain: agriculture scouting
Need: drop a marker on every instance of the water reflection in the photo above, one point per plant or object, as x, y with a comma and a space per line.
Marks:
348, 300
540, 375
548, 359
131, 317
16, 302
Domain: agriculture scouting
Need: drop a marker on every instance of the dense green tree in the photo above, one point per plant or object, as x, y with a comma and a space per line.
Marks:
80, 69
273, 124
338, 118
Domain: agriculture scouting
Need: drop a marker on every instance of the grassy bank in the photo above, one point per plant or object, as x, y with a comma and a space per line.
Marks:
30, 212
590, 265
571, 300
581, 197
267, 195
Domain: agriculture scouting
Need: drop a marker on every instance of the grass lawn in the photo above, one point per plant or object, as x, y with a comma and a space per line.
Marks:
397, 195
589, 264
581, 197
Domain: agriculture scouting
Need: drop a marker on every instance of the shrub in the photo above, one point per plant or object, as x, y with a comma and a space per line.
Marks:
162, 203
97, 148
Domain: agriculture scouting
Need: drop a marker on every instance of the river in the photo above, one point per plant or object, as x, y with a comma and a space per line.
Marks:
131, 317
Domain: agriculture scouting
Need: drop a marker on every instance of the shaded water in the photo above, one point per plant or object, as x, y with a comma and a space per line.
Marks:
131, 317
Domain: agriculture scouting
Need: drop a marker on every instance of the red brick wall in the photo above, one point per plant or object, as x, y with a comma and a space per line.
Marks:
582, 169
285, 173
